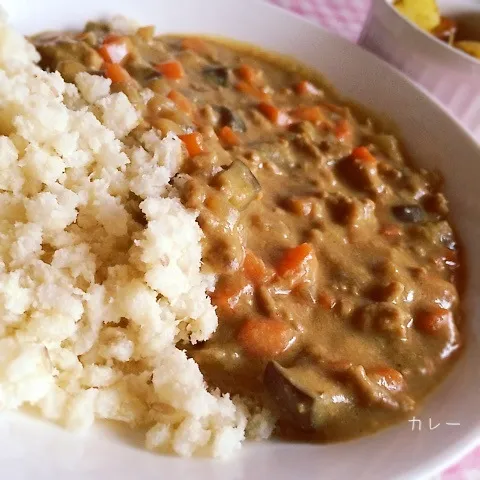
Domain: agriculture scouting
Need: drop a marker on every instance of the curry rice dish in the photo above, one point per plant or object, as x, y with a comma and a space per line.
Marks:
333, 268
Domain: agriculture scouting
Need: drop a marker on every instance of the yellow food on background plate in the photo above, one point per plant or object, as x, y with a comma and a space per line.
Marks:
424, 13
470, 47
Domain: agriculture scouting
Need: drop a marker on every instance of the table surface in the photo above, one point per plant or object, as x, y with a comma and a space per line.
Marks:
346, 18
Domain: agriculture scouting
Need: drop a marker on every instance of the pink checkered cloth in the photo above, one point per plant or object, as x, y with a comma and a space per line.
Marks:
346, 18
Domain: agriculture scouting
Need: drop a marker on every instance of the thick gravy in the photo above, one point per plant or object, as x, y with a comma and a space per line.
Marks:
336, 267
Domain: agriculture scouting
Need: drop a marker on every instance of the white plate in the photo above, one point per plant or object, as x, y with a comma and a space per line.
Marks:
36, 450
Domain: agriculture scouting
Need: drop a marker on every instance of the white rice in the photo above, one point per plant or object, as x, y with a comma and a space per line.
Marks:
74, 264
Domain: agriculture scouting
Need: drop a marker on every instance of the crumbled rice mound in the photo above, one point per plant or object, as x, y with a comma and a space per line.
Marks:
100, 267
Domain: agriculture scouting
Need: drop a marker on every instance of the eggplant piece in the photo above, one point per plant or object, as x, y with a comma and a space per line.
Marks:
217, 75
66, 50
388, 144
230, 119
98, 27
305, 398
142, 72
409, 213
69, 69
239, 184
278, 153
295, 402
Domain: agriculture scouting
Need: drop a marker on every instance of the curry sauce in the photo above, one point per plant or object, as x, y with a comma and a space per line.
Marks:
336, 269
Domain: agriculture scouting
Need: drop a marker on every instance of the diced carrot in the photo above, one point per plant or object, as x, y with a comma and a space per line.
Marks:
181, 101
226, 295
451, 258
255, 269
228, 136
343, 130
252, 90
274, 114
194, 143
432, 320
111, 37
447, 257
293, 258
265, 338
115, 48
306, 88
194, 43
172, 69
247, 73
310, 114
300, 205
116, 73
270, 111
387, 377
363, 153
326, 300
391, 231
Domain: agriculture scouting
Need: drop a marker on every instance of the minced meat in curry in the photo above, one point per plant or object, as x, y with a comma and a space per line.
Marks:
336, 268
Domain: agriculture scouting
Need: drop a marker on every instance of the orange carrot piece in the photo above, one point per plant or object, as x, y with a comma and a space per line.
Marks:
252, 90
293, 258
116, 73
115, 48
247, 73
343, 130
274, 114
306, 88
326, 300
194, 143
111, 37
301, 206
432, 320
181, 101
449, 258
270, 111
265, 338
391, 231
363, 154
172, 69
195, 44
255, 269
226, 296
387, 377
228, 136
309, 114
